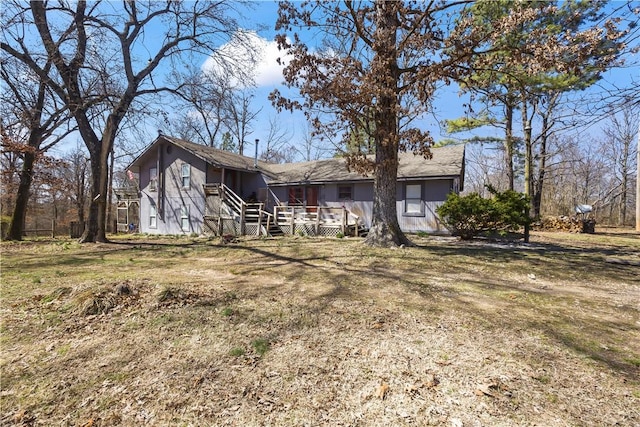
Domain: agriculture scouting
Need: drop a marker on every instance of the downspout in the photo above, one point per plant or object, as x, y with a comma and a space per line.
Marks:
160, 178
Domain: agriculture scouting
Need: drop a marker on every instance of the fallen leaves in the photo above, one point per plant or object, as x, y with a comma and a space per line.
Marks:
431, 381
24, 418
492, 388
382, 390
485, 390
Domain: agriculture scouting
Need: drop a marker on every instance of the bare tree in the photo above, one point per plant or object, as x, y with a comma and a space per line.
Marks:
619, 151
278, 145
240, 117
76, 177
100, 43
38, 119
575, 176
206, 96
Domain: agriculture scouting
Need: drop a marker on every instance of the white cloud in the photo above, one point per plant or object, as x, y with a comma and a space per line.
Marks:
267, 71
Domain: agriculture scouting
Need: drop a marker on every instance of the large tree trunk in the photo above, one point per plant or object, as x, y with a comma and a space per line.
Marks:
539, 187
16, 229
112, 159
95, 228
508, 142
528, 152
385, 229
542, 165
99, 151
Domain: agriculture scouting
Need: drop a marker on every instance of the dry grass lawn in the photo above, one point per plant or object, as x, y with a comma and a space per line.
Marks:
309, 332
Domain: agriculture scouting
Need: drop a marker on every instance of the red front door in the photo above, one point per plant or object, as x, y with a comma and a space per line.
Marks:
304, 196
312, 198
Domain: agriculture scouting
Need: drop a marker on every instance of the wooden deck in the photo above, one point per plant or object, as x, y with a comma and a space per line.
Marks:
226, 213
316, 220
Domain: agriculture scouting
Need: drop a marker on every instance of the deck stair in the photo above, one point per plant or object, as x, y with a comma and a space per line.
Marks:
227, 213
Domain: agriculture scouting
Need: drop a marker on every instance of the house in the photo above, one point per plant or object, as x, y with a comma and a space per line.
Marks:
190, 188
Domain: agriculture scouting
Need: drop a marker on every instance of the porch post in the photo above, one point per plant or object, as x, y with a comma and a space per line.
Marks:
344, 215
243, 211
318, 211
293, 224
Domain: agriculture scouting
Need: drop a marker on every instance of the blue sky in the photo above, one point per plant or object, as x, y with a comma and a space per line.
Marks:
269, 77
261, 18
447, 102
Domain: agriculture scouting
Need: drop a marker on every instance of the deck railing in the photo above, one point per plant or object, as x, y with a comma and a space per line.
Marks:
318, 220
312, 220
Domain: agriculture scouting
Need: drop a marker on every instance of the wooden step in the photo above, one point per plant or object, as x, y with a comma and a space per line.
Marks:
274, 230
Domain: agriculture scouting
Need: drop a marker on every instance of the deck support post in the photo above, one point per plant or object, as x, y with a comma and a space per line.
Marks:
293, 221
317, 225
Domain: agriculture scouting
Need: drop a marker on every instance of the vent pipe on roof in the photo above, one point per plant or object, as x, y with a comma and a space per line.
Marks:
255, 159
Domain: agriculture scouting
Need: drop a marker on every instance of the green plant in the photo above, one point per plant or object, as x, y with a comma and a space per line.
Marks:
635, 361
261, 346
468, 216
340, 235
237, 352
422, 234
227, 311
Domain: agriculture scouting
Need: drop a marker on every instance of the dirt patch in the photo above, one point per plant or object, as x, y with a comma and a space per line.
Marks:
304, 331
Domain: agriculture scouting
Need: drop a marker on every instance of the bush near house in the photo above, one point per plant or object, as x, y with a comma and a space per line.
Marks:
470, 215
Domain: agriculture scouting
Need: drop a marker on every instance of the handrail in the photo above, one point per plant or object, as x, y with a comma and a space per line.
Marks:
275, 198
236, 202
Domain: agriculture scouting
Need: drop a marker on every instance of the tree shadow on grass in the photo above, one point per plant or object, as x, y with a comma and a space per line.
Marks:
581, 332
454, 271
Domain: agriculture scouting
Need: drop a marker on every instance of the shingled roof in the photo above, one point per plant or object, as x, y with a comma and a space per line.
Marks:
446, 162
216, 157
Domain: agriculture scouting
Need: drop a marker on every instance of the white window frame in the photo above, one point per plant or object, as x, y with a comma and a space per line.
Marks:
153, 178
185, 222
185, 173
153, 216
411, 199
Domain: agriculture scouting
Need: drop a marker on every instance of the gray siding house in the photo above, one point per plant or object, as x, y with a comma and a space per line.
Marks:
189, 188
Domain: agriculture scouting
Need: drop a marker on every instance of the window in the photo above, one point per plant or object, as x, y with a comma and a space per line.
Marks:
153, 216
296, 196
153, 179
413, 200
345, 192
184, 218
186, 175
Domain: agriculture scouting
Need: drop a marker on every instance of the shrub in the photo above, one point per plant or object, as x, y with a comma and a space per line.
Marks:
468, 216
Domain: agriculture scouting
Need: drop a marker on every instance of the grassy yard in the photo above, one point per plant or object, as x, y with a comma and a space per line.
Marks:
301, 331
